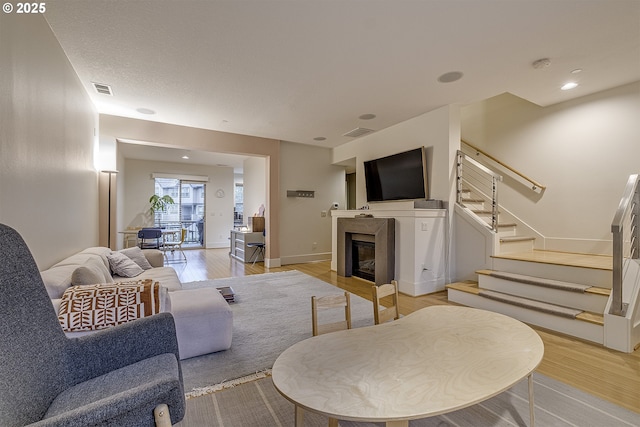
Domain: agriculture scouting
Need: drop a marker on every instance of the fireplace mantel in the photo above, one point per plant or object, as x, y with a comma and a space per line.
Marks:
383, 232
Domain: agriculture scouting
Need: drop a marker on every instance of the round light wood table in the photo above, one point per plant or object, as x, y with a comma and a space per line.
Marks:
433, 361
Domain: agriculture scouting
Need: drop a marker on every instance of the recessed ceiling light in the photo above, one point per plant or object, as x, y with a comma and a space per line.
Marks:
367, 116
541, 63
569, 85
145, 111
576, 71
450, 77
319, 138
185, 157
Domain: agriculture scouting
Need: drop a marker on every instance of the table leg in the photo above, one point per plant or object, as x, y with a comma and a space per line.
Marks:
403, 423
333, 422
299, 416
531, 414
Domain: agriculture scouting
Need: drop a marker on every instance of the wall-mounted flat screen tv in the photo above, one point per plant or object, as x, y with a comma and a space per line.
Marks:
401, 176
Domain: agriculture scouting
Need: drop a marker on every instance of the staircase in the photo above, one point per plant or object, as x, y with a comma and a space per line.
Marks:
510, 240
592, 297
559, 291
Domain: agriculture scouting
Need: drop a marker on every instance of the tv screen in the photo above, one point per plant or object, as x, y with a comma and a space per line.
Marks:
401, 176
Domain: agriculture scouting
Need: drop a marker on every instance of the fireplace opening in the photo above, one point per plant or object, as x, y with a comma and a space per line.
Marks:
364, 260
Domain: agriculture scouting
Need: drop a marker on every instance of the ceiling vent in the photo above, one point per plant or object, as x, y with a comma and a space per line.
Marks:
358, 132
102, 88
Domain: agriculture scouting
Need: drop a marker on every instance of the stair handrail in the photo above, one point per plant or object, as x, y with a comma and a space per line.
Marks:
628, 209
534, 184
495, 178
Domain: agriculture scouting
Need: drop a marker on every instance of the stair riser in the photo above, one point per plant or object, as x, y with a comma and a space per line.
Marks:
585, 276
576, 328
506, 231
515, 247
581, 301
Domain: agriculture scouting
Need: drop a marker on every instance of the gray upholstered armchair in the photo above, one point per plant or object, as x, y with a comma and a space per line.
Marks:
116, 377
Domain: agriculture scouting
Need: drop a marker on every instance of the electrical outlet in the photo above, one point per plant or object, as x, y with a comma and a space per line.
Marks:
323, 214
424, 226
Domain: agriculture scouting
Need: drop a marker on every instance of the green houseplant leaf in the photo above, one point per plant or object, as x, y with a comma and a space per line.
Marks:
159, 204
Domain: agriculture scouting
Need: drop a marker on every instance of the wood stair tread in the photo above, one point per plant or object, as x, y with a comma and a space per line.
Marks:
466, 286
473, 288
537, 281
510, 239
570, 259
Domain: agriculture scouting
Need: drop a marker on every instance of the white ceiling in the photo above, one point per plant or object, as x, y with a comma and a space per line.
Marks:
296, 70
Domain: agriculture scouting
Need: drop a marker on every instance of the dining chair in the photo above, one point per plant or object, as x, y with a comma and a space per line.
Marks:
150, 238
382, 314
172, 245
330, 302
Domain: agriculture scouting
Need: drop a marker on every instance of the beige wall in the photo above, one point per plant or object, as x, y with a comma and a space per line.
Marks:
168, 135
437, 130
583, 151
139, 186
48, 183
255, 186
306, 222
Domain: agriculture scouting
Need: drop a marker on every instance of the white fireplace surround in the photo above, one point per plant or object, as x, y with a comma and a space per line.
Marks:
420, 247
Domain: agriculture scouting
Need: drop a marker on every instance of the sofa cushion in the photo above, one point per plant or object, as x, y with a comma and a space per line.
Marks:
123, 266
91, 272
136, 255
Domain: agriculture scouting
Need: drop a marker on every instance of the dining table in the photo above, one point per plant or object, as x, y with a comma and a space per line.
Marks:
433, 361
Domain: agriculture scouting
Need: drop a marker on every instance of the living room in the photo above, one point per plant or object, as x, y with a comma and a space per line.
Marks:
583, 149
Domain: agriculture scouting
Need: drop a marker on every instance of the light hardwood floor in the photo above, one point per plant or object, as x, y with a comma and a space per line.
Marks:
605, 373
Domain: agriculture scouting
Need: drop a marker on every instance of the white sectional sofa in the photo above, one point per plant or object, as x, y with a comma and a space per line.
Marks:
203, 318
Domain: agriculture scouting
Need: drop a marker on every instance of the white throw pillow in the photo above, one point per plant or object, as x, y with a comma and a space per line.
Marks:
122, 265
136, 255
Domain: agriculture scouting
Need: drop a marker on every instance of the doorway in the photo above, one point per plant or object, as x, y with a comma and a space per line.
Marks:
188, 210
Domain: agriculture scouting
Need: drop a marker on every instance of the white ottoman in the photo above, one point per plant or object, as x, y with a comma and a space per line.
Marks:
204, 321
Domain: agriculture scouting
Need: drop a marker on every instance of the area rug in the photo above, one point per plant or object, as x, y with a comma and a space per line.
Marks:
271, 312
258, 404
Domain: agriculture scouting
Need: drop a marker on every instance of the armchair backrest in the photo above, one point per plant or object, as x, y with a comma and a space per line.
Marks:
33, 345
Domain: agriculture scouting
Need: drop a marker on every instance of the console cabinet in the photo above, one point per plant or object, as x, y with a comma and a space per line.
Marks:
239, 248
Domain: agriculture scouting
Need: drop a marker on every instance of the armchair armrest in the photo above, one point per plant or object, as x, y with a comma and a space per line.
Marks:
96, 354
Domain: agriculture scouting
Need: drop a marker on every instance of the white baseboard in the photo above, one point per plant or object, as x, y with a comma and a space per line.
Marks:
217, 245
303, 259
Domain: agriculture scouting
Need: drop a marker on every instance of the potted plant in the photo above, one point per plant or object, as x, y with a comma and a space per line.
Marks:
160, 203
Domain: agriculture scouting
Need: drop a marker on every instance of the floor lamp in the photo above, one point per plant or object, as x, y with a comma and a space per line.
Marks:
110, 172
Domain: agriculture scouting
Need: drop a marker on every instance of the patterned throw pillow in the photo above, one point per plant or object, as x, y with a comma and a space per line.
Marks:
93, 307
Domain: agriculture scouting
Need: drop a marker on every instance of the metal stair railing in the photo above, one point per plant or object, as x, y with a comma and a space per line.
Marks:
625, 240
481, 177
534, 185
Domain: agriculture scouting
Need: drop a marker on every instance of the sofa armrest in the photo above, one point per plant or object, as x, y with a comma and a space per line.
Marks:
154, 256
106, 350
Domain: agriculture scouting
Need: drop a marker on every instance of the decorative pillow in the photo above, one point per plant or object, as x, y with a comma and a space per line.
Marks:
136, 255
123, 266
93, 307
91, 272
